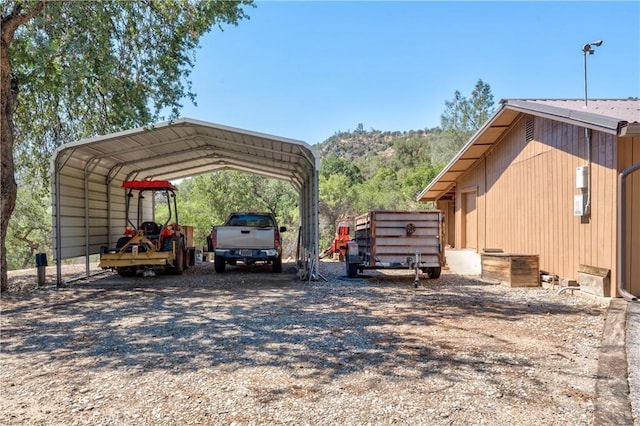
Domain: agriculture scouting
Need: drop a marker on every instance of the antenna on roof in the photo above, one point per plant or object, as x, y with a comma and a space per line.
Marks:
588, 49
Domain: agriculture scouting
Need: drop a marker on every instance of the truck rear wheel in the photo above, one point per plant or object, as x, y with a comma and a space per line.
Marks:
277, 265
433, 272
219, 264
352, 270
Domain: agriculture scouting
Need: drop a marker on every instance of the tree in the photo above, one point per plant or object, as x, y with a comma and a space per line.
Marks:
337, 193
207, 200
333, 165
411, 151
463, 117
70, 70
30, 229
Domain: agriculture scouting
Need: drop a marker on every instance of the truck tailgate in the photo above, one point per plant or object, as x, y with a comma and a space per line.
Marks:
236, 237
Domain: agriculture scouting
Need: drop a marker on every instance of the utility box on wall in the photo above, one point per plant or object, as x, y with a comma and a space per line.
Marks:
579, 204
582, 177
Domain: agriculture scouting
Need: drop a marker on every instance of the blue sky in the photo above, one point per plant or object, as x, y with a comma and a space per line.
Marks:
306, 70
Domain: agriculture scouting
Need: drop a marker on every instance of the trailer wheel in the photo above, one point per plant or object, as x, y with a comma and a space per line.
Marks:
433, 272
218, 264
352, 270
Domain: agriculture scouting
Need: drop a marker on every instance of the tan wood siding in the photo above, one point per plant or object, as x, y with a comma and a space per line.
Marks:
448, 209
526, 197
470, 219
628, 155
472, 181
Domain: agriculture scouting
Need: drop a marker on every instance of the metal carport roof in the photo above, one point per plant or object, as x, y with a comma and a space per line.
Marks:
87, 196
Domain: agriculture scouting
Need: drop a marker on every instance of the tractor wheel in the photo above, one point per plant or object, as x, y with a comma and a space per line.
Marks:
352, 270
121, 242
179, 261
177, 267
128, 271
277, 265
218, 264
433, 272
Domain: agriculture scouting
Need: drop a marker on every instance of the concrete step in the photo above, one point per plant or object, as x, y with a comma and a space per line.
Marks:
463, 261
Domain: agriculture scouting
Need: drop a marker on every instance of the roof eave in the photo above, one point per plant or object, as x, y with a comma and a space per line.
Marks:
423, 196
630, 129
589, 120
571, 116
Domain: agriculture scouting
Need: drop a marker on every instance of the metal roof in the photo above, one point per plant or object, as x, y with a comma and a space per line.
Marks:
87, 175
614, 116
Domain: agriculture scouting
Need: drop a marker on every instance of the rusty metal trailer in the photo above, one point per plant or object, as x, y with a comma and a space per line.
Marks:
397, 239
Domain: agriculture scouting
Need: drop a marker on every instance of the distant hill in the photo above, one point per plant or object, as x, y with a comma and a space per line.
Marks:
361, 144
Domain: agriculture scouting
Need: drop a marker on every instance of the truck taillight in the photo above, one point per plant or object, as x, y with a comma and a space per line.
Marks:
214, 238
276, 237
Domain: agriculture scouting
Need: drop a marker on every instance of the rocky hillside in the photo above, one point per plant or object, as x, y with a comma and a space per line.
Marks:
361, 144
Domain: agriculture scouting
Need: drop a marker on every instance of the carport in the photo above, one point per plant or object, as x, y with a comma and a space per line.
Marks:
89, 202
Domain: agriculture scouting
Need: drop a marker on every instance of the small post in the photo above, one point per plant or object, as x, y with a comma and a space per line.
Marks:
41, 265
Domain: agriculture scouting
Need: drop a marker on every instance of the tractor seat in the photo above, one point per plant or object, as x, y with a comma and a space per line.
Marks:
150, 229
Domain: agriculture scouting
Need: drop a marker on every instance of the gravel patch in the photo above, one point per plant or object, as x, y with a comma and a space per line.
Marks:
250, 347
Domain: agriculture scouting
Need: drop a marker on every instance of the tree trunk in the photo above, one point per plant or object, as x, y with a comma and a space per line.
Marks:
8, 96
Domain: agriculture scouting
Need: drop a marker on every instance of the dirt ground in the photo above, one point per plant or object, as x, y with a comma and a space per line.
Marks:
252, 347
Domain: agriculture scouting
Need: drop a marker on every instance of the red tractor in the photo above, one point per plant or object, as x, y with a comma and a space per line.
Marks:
148, 247
339, 245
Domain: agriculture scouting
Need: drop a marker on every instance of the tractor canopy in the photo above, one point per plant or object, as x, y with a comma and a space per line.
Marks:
145, 185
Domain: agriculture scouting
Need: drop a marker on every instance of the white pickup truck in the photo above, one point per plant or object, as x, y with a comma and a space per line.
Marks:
248, 237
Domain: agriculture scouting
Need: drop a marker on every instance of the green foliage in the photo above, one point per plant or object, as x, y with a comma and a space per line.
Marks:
463, 117
337, 202
83, 68
414, 180
207, 200
411, 151
358, 145
29, 230
380, 192
334, 165
93, 68
363, 171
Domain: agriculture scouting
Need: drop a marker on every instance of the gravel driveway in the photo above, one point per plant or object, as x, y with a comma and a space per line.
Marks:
250, 347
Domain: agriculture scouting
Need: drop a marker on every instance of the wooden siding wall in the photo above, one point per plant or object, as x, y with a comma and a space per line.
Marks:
447, 207
628, 155
526, 192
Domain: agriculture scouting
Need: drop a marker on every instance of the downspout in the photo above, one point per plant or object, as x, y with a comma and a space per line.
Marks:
622, 232
587, 138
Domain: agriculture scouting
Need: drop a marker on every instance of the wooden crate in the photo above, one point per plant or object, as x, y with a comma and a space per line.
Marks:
513, 270
594, 280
